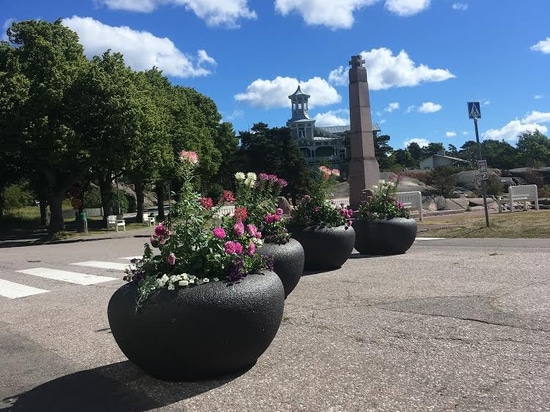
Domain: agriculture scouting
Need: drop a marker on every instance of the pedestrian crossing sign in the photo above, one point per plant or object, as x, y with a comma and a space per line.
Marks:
473, 110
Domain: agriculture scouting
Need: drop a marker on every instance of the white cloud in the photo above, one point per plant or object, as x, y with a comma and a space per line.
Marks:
339, 14
7, 24
385, 71
391, 107
511, 131
542, 46
332, 118
429, 107
407, 7
329, 13
538, 96
269, 94
537, 117
420, 142
214, 12
450, 134
460, 6
141, 50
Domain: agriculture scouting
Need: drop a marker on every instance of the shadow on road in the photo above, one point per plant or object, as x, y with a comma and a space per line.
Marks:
119, 387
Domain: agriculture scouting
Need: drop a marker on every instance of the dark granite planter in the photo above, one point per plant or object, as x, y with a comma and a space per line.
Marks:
325, 248
384, 236
199, 332
288, 262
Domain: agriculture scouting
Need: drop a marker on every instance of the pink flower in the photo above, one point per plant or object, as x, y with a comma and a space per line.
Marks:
268, 218
258, 235
206, 202
160, 230
190, 157
251, 230
230, 247
233, 248
335, 172
219, 232
251, 248
238, 229
171, 259
279, 211
238, 248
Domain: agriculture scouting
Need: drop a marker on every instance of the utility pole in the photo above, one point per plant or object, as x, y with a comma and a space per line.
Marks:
474, 112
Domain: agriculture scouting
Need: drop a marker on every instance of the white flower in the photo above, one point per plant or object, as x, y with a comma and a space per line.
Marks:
239, 176
183, 283
374, 187
171, 286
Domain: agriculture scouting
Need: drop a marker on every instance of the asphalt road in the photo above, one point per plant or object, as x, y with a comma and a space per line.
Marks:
453, 324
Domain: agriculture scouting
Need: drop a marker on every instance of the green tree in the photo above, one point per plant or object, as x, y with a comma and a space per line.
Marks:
44, 59
416, 152
274, 151
443, 178
383, 151
501, 155
533, 149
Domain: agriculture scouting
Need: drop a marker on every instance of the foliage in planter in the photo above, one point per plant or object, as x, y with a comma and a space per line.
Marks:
196, 246
258, 194
315, 209
382, 203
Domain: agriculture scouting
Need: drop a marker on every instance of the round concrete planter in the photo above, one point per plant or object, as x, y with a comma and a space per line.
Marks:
384, 236
325, 248
198, 332
288, 262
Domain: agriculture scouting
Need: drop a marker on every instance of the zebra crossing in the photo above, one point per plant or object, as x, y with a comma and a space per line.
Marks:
16, 290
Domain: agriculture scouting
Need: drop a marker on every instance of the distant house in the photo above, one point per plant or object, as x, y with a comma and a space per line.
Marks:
440, 159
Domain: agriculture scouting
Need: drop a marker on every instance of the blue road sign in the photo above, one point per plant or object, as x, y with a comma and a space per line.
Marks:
473, 110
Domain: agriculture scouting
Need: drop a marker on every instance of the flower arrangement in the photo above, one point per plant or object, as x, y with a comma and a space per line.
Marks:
382, 203
196, 246
316, 209
257, 193
274, 228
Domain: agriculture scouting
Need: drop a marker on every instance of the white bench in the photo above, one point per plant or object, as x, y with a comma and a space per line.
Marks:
148, 219
115, 222
412, 201
521, 193
226, 210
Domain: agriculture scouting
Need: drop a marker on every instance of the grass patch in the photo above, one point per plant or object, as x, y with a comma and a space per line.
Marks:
516, 225
25, 222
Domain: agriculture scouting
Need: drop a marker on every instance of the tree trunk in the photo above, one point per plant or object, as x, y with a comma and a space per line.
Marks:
140, 198
159, 189
57, 224
105, 190
43, 204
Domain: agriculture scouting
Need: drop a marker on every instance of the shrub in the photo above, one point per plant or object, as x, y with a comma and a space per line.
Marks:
16, 196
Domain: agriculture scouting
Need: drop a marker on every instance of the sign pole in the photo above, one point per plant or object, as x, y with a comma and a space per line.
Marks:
475, 113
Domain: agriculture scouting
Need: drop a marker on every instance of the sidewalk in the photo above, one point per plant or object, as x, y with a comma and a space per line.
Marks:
453, 324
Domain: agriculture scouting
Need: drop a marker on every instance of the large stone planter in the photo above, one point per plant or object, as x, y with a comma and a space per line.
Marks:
384, 236
288, 262
198, 332
325, 248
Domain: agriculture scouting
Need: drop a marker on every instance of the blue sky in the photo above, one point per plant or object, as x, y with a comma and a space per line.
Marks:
425, 58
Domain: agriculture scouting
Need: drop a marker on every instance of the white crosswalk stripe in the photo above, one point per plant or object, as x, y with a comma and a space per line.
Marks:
16, 290
103, 265
12, 290
66, 276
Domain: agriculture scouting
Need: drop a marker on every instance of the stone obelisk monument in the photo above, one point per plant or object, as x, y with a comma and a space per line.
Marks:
363, 166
